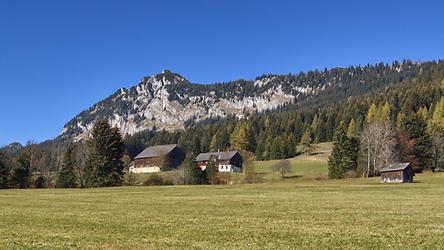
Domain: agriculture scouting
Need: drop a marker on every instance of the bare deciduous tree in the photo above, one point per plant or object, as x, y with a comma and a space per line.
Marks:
379, 146
81, 155
282, 167
438, 144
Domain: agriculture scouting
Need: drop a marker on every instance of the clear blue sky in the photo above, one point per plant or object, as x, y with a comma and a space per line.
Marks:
57, 58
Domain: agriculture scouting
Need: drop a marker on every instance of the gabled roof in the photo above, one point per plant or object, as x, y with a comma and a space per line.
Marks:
225, 155
156, 151
395, 167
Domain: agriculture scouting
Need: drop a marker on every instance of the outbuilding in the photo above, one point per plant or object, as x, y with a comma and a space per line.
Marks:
397, 173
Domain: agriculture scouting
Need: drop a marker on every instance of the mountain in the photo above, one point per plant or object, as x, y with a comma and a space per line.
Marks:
168, 101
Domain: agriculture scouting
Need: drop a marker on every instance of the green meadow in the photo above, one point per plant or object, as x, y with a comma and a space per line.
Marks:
303, 211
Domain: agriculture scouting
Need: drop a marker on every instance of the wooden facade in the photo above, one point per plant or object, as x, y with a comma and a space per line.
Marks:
158, 158
397, 173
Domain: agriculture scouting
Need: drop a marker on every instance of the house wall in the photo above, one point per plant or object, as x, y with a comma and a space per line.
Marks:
224, 166
144, 170
393, 177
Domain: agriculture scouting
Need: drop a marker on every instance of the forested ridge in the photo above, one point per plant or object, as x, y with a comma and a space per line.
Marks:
408, 107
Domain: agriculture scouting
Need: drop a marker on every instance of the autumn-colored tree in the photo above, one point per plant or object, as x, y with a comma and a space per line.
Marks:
239, 137
351, 130
305, 142
371, 114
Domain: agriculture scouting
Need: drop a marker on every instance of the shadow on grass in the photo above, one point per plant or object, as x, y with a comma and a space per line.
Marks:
293, 176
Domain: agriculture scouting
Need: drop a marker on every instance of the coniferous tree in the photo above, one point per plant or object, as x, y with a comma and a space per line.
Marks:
211, 171
343, 155
305, 142
104, 166
239, 137
21, 174
67, 177
416, 129
213, 145
437, 122
351, 131
4, 172
384, 115
372, 113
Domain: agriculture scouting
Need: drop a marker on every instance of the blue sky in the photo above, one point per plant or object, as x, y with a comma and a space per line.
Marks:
57, 58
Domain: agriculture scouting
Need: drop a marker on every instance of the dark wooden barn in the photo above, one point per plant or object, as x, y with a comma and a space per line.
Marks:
158, 158
397, 173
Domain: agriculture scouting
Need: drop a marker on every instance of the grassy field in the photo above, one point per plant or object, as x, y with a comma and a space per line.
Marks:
298, 213
313, 166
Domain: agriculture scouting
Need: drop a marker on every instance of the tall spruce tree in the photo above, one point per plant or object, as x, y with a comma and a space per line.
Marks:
21, 174
343, 155
67, 177
213, 144
104, 166
305, 142
4, 172
416, 129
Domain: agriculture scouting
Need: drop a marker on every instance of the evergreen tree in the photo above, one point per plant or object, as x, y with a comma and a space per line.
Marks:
416, 129
67, 177
21, 174
305, 142
104, 166
213, 144
314, 128
4, 172
343, 155
211, 171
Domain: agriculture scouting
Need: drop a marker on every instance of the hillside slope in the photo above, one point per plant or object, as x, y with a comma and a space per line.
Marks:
167, 101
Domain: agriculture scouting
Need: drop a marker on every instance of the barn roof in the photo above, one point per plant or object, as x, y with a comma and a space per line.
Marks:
395, 167
225, 155
156, 151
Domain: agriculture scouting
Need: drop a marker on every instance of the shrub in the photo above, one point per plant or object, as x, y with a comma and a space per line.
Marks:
41, 182
156, 180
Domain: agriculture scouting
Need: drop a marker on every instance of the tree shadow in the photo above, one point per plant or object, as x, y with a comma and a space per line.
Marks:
293, 176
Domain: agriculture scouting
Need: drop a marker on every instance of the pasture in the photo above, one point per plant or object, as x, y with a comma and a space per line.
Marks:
301, 212
339, 214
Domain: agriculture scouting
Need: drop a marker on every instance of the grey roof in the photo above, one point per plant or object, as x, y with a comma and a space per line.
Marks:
225, 155
156, 151
396, 167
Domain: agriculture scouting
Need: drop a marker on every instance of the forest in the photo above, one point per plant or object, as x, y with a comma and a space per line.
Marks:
403, 121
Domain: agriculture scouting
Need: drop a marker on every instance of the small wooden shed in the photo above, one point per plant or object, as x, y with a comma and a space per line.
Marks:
397, 173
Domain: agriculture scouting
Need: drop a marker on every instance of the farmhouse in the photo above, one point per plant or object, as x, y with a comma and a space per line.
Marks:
227, 161
158, 158
398, 172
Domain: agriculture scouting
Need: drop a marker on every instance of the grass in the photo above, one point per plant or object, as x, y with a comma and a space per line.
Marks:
339, 214
312, 166
298, 213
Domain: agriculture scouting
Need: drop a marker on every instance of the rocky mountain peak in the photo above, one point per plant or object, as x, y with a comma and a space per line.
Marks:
168, 101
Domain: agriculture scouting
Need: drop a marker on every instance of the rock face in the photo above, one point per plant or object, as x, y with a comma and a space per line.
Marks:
167, 101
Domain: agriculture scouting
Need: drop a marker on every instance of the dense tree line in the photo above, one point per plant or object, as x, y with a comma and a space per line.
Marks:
402, 122
97, 163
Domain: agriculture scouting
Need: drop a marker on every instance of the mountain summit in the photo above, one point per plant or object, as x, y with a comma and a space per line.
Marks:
167, 101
